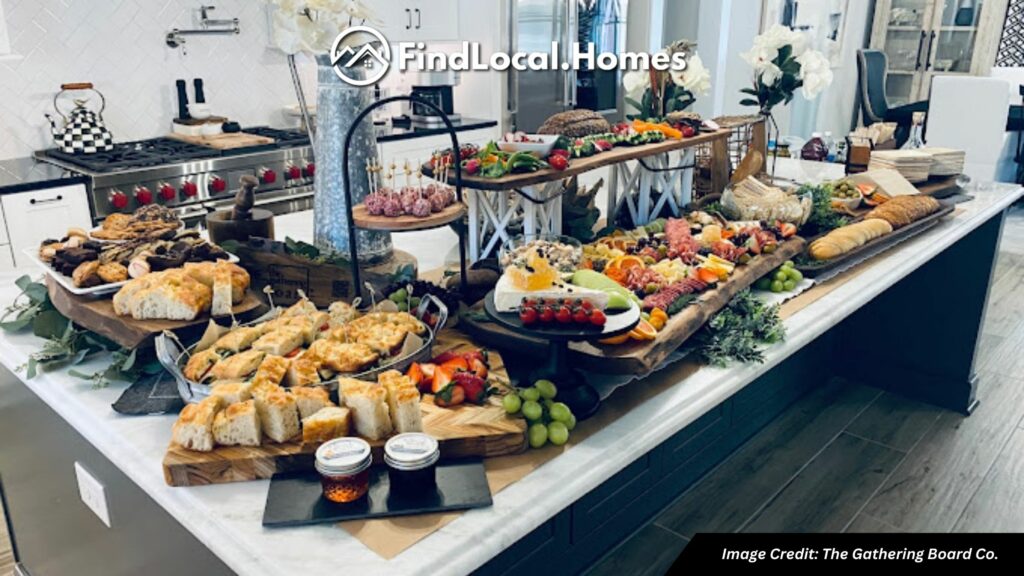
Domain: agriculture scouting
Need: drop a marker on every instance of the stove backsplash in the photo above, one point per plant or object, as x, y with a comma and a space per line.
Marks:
118, 45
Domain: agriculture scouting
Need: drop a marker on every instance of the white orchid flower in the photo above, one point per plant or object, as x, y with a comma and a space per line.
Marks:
815, 73
635, 82
695, 77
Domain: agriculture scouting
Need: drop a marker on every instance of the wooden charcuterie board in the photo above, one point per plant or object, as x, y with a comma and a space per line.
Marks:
225, 141
97, 315
634, 357
462, 431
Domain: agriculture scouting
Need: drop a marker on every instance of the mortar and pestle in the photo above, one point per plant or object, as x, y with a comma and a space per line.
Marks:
242, 220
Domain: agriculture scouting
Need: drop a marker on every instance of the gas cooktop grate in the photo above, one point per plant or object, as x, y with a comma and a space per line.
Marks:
141, 154
285, 138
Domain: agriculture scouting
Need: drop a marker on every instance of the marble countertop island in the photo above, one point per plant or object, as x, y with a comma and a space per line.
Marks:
227, 517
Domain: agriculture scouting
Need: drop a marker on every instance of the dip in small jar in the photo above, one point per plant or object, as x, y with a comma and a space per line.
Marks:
412, 462
344, 467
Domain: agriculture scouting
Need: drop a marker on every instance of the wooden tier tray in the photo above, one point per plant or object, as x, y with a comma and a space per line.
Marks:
226, 141
407, 223
643, 357
464, 431
581, 165
814, 269
97, 315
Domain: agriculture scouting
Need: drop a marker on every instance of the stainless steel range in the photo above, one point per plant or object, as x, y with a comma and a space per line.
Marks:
195, 179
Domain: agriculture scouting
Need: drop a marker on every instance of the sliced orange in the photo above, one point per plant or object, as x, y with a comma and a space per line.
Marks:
615, 339
707, 276
643, 331
658, 318
626, 262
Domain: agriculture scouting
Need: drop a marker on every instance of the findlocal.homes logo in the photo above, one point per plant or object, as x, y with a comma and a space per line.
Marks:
367, 63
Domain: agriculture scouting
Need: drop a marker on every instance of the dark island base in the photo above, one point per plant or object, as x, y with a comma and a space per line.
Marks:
932, 361
917, 339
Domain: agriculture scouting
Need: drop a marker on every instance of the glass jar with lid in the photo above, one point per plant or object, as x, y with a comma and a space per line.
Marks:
344, 467
412, 461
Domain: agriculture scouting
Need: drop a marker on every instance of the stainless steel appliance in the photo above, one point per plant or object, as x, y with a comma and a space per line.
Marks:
535, 95
434, 87
195, 179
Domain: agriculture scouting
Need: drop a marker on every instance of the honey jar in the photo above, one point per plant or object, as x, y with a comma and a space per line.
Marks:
344, 467
412, 462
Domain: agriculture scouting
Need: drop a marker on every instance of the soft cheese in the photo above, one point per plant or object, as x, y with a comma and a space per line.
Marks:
507, 297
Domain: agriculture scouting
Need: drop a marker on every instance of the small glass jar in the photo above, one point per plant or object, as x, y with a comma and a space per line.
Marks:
412, 462
344, 467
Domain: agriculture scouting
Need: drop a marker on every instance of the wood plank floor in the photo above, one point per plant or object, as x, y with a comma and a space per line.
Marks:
848, 457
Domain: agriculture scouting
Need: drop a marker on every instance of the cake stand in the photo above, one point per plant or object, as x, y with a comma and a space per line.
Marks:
573, 388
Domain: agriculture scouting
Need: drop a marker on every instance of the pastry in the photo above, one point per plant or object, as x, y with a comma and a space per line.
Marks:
112, 272
194, 428
86, 274
843, 240
326, 424
237, 425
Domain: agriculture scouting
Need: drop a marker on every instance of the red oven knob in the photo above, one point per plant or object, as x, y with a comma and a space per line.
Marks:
309, 171
143, 195
168, 192
189, 189
217, 185
267, 176
292, 172
118, 199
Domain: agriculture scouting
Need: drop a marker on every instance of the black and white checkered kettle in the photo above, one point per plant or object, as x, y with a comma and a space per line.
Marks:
83, 131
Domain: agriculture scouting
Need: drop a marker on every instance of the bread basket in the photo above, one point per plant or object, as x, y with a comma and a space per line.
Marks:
173, 355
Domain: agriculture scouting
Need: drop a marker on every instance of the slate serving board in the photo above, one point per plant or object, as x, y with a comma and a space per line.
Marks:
296, 498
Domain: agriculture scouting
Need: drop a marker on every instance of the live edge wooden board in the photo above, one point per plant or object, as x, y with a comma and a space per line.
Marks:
463, 431
581, 165
634, 357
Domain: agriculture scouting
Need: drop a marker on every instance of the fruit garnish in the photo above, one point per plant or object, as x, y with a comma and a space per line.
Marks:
597, 318
643, 331
564, 315
615, 339
528, 315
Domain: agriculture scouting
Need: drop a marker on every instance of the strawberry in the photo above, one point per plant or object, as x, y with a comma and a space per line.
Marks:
475, 354
456, 364
474, 386
426, 383
478, 367
444, 357
451, 395
442, 378
415, 373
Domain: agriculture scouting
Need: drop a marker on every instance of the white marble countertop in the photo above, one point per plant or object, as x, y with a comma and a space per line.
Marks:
227, 517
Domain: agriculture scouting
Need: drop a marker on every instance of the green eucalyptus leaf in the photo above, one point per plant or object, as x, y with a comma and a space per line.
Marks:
36, 293
129, 361
30, 370
50, 324
80, 374
749, 102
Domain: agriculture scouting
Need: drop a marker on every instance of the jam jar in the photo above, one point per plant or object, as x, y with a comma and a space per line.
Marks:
344, 467
412, 462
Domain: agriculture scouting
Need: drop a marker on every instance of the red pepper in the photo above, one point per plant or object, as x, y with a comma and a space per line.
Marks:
558, 162
471, 166
560, 152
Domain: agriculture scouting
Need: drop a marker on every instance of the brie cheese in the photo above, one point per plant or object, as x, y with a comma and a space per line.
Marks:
507, 297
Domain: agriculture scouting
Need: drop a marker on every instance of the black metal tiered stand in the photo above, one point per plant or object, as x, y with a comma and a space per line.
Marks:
461, 230
573, 388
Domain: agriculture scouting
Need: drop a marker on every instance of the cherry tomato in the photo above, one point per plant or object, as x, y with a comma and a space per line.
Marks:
564, 315
688, 131
528, 315
558, 162
580, 316
547, 314
597, 318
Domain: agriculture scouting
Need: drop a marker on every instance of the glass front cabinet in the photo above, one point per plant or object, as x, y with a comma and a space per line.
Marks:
923, 38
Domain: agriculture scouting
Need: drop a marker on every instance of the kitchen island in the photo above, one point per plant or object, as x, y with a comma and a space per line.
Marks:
651, 440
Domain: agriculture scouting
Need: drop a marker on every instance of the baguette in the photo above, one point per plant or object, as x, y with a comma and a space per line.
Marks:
843, 240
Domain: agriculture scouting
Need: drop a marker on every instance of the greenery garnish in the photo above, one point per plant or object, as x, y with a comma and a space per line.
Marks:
738, 330
823, 218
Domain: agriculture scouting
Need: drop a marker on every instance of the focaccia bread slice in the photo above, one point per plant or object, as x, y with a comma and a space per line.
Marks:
343, 357
279, 415
232, 391
279, 342
369, 411
194, 428
199, 364
310, 399
238, 339
238, 425
204, 272
272, 369
302, 371
239, 365
326, 424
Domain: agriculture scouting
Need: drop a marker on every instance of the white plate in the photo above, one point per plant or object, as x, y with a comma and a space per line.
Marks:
92, 238
543, 148
69, 285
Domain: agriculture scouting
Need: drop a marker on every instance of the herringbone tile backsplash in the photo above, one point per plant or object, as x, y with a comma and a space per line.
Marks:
118, 45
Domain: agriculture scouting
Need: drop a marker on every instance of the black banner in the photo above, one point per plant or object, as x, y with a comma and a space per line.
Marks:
906, 552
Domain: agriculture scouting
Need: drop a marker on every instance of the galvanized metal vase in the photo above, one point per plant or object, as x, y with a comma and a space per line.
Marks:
336, 108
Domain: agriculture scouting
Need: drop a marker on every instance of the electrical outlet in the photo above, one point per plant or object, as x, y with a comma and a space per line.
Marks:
92, 493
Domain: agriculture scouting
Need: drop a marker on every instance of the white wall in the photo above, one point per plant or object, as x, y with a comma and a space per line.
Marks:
118, 45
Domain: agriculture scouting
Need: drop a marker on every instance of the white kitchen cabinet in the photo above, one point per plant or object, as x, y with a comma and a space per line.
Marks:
32, 217
418, 20
6, 257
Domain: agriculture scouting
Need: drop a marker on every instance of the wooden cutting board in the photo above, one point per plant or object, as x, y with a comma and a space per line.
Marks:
633, 357
466, 430
226, 141
97, 315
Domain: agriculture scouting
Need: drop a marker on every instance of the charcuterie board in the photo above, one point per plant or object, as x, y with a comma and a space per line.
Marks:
643, 357
97, 315
463, 431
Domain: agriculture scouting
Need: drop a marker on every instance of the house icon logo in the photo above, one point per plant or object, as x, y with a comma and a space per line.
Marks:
361, 56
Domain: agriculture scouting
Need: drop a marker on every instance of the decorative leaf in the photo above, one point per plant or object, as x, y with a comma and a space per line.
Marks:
50, 324
30, 371
36, 293
750, 91
129, 361
23, 282
749, 102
